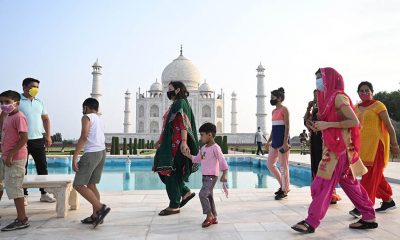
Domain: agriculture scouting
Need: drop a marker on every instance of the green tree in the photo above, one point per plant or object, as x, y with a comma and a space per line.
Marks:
117, 146
225, 145
124, 147
130, 146
391, 101
218, 140
135, 146
57, 137
113, 146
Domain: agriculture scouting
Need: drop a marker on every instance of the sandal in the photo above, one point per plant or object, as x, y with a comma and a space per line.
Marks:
101, 214
215, 221
303, 227
278, 192
90, 220
207, 223
167, 212
355, 213
186, 200
363, 225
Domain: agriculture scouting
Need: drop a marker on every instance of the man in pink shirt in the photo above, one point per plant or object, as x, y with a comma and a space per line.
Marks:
14, 136
212, 161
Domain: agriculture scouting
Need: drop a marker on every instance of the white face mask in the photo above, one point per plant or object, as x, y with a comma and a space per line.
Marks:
320, 84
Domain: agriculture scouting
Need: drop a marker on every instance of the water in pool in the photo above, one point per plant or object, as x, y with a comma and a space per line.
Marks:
135, 174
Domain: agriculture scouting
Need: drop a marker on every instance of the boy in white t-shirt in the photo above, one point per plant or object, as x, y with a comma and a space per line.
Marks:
90, 166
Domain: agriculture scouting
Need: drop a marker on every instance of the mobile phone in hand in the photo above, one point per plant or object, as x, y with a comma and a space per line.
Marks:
282, 150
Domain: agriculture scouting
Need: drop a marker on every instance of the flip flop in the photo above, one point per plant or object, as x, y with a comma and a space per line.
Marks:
167, 212
186, 200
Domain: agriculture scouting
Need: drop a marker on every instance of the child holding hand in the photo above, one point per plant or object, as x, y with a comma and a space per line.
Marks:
212, 161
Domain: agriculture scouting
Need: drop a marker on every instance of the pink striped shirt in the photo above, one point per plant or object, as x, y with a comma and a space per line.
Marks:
211, 159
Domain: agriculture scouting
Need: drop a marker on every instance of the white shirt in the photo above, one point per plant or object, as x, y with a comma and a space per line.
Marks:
96, 139
259, 136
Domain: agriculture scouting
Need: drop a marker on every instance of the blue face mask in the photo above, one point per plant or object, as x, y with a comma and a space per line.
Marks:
320, 85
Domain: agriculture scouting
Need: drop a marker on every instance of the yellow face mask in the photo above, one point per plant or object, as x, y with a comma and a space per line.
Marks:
34, 91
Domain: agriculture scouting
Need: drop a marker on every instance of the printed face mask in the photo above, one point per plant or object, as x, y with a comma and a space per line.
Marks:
9, 108
34, 91
320, 85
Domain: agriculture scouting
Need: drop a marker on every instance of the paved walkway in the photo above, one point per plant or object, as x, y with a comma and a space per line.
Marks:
247, 214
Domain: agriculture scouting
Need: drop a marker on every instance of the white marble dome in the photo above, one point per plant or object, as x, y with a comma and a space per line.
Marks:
205, 87
181, 69
156, 87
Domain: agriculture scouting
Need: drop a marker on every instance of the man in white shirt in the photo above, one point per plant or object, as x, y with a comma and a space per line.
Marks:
258, 140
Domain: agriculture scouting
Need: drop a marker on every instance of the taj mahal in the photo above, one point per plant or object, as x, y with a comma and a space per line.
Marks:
207, 104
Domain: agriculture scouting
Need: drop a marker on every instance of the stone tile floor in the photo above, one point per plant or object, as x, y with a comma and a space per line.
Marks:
246, 214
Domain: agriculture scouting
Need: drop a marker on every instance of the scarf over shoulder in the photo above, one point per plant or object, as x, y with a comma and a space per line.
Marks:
164, 160
332, 137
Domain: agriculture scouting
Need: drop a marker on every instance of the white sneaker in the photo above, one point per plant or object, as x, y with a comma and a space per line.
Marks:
47, 198
26, 200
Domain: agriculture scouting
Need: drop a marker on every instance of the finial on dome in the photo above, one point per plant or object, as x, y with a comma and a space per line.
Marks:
181, 50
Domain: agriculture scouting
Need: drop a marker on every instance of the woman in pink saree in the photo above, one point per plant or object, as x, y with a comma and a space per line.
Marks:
340, 160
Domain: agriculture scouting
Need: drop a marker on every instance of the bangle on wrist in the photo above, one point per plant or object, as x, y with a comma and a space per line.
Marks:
184, 140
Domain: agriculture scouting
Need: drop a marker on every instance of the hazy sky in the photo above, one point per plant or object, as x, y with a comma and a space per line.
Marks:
58, 41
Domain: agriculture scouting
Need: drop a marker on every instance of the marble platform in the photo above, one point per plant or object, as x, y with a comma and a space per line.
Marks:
247, 214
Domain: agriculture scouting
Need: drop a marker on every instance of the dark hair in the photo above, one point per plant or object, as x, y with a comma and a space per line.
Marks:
91, 103
318, 71
365, 83
183, 93
28, 81
279, 93
12, 95
208, 128
15, 96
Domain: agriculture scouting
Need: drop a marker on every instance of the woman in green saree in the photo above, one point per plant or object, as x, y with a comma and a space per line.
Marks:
178, 136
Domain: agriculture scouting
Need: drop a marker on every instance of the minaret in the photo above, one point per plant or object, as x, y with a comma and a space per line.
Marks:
261, 112
234, 114
96, 87
127, 113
